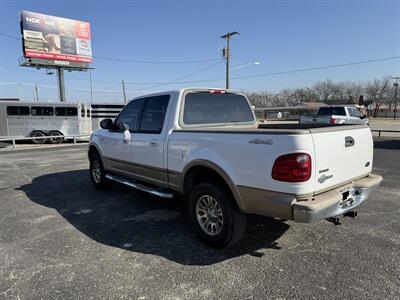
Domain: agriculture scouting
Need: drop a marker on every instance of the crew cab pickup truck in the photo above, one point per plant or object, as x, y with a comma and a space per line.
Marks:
206, 144
335, 115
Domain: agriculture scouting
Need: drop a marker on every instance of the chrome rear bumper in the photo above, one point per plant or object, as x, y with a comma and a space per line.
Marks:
335, 202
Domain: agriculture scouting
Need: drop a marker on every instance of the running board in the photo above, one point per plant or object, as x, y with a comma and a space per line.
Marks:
139, 186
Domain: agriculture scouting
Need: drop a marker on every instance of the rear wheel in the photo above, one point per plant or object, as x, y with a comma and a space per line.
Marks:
38, 134
56, 140
97, 172
217, 221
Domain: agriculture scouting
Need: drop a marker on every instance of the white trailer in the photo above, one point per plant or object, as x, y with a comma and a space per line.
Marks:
101, 111
39, 119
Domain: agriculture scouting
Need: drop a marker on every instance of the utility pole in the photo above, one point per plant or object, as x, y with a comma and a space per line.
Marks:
36, 92
123, 90
227, 52
396, 84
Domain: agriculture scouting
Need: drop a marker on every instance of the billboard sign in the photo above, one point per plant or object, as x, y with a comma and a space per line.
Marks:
54, 38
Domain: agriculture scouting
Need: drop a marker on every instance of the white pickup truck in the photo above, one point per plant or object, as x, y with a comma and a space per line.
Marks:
335, 115
206, 144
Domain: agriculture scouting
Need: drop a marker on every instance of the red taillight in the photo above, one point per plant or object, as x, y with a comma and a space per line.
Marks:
333, 120
295, 167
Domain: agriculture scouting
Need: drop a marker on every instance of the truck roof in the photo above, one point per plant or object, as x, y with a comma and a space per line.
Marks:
182, 90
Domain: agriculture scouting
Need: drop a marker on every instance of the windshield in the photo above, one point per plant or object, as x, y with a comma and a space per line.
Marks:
328, 111
207, 108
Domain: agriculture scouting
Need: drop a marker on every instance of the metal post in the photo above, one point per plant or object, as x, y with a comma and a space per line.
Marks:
61, 85
13, 143
396, 84
91, 87
123, 90
36, 92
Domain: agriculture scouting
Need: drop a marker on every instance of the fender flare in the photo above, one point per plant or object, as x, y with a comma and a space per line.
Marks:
220, 172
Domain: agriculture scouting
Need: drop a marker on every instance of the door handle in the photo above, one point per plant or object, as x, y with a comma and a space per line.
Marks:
125, 141
349, 141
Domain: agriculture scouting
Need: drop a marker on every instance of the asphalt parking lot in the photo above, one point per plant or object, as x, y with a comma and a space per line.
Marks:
61, 238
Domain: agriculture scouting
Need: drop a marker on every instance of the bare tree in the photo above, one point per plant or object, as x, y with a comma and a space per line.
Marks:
378, 91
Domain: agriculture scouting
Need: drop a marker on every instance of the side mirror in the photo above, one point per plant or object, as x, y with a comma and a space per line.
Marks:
123, 126
363, 117
107, 124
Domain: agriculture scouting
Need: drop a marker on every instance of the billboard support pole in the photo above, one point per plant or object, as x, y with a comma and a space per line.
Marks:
61, 85
91, 86
123, 90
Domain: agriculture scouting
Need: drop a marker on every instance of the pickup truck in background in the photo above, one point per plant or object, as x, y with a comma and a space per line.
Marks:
206, 144
335, 115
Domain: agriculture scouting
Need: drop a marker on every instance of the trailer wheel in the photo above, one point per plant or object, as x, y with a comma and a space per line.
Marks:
38, 134
55, 140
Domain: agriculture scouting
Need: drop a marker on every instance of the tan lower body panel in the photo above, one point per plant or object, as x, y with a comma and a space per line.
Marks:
266, 203
148, 174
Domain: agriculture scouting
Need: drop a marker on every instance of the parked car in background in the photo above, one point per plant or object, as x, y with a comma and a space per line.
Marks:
335, 115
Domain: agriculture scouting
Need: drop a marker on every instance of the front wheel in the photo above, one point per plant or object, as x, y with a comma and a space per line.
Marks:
217, 221
97, 172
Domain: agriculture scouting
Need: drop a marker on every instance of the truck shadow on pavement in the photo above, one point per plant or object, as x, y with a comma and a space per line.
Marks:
134, 221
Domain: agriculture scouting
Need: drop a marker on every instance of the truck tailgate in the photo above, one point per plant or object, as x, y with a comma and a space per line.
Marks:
341, 155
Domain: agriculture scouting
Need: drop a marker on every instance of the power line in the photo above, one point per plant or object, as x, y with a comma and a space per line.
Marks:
156, 61
39, 73
177, 80
10, 36
283, 72
320, 67
138, 61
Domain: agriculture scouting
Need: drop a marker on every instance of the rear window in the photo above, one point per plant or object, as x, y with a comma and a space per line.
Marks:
207, 108
328, 111
17, 110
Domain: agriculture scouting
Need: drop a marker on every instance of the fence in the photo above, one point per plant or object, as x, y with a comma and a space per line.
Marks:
64, 137
384, 130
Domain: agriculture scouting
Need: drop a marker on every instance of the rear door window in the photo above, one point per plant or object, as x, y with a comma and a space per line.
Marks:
154, 114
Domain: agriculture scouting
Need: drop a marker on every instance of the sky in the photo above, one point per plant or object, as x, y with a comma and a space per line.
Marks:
275, 37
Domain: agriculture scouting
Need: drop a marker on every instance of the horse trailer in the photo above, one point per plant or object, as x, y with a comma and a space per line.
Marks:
40, 119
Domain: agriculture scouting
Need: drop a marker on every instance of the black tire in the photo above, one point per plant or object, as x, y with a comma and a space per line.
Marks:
55, 140
38, 134
234, 221
97, 172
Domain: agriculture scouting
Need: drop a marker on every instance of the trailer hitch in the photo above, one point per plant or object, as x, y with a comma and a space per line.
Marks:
350, 214
336, 220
